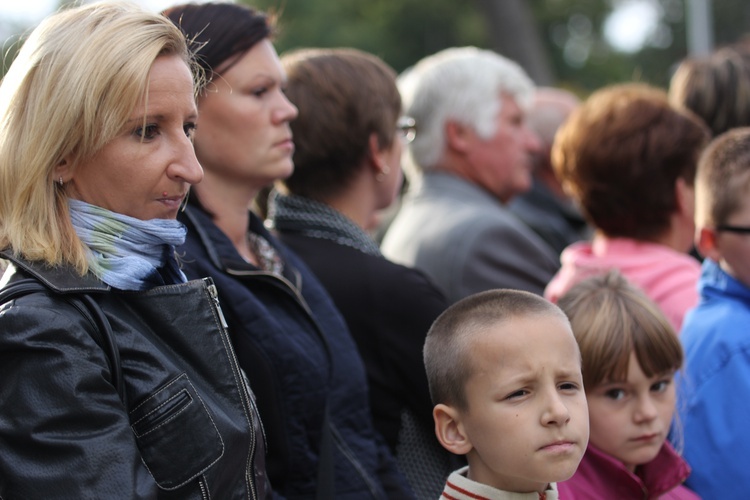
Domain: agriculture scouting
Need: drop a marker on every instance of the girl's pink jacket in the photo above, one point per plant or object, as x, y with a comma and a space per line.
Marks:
600, 476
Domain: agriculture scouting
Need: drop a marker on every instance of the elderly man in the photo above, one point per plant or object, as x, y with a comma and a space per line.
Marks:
471, 156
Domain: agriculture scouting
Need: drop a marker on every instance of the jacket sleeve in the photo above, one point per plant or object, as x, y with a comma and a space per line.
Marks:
716, 440
63, 430
501, 255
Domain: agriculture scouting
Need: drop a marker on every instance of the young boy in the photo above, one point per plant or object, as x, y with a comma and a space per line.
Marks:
716, 334
505, 375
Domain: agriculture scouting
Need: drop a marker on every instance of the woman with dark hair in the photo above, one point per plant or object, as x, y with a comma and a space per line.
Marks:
349, 136
290, 339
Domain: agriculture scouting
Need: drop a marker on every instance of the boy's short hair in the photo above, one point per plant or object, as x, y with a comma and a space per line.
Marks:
611, 318
446, 357
723, 178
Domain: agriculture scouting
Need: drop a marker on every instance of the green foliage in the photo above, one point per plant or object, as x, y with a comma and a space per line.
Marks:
652, 64
399, 31
572, 32
731, 20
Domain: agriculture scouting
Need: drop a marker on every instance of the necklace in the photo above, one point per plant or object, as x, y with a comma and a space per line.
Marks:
266, 255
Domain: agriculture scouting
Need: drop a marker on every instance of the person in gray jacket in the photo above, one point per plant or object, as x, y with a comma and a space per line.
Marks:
471, 156
118, 375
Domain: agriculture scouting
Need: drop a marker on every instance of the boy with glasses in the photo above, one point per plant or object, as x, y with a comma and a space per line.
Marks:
715, 333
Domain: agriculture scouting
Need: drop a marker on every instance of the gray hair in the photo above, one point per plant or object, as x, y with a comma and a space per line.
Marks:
463, 84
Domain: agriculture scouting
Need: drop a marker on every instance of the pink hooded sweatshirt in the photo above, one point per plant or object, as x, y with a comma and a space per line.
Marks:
668, 277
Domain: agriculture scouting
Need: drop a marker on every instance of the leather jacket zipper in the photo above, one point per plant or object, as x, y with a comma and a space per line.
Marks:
215, 297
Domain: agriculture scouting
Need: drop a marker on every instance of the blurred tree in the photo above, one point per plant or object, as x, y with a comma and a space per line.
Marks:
404, 31
515, 33
573, 35
399, 31
558, 42
584, 60
731, 20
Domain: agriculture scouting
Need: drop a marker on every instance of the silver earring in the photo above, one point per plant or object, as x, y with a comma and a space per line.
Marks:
60, 181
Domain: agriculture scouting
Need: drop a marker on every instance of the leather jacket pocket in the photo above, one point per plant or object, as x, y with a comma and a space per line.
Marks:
176, 434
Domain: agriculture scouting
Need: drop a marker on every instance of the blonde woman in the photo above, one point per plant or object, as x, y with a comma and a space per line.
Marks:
118, 381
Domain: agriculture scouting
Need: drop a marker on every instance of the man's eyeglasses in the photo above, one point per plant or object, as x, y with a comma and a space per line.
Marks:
733, 229
406, 128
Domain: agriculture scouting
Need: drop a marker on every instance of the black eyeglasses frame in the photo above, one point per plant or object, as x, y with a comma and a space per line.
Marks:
728, 228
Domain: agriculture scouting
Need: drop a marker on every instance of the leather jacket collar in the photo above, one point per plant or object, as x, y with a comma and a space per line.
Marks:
61, 279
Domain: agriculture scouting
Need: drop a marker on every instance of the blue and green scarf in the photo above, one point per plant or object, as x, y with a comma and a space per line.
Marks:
129, 253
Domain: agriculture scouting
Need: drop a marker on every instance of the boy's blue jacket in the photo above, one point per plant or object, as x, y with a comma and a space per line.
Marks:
715, 388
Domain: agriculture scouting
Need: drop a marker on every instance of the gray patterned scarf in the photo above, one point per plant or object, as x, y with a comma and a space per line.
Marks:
297, 214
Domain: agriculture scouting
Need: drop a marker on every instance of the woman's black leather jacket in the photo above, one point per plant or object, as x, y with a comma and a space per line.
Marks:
189, 428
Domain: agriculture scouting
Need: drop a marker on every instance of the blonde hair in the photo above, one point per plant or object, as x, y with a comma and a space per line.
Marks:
70, 90
612, 318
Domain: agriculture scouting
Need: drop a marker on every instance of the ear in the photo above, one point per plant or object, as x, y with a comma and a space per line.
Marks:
684, 198
450, 431
458, 137
376, 154
63, 170
707, 245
